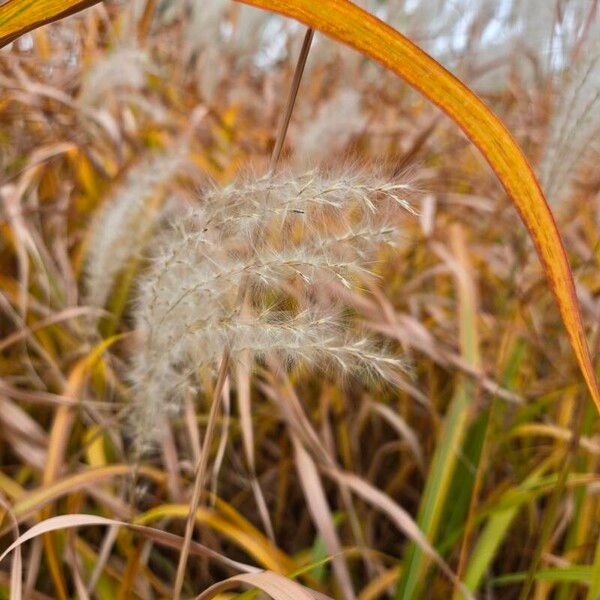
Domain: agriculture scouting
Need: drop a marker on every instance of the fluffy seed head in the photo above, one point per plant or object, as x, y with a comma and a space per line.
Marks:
248, 271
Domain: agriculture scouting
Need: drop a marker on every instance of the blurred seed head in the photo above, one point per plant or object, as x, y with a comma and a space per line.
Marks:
326, 136
575, 123
222, 37
124, 68
122, 226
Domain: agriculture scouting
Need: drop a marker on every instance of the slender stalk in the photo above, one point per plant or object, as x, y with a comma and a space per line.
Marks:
201, 468
202, 465
287, 114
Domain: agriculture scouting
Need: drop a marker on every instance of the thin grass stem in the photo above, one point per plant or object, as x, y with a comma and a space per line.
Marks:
200, 477
291, 101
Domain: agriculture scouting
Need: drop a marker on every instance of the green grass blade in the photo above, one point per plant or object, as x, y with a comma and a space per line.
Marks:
450, 445
594, 592
575, 574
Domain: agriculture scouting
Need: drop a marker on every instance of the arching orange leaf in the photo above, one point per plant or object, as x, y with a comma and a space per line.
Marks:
20, 16
345, 22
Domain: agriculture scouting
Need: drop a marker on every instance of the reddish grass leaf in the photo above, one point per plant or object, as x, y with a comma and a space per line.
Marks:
347, 23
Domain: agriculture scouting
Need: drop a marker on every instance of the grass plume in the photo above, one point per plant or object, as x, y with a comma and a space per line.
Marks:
313, 228
121, 229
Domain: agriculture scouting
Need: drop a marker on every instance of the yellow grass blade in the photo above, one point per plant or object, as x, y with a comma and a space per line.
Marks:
20, 16
347, 23
27, 505
255, 544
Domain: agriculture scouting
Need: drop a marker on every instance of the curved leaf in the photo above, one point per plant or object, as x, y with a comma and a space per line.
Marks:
347, 23
20, 16
277, 586
164, 538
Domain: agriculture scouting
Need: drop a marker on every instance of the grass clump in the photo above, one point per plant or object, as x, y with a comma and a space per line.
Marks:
140, 245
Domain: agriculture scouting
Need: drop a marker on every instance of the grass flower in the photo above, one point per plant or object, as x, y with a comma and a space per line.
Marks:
575, 124
125, 67
271, 245
120, 230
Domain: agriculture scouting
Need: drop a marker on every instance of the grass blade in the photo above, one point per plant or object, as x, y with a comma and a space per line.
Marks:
594, 591
20, 16
322, 517
156, 535
449, 446
576, 574
277, 586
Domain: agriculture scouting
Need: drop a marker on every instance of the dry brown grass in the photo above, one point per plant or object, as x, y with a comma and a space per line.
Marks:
491, 446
